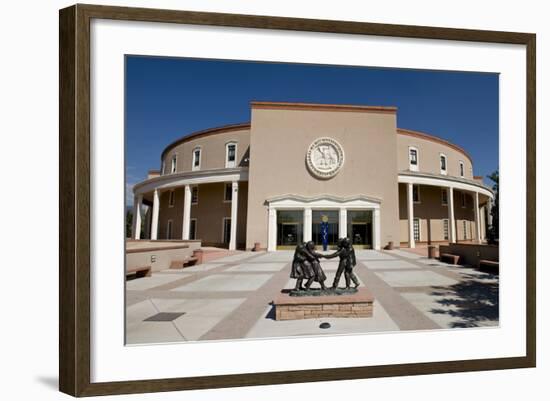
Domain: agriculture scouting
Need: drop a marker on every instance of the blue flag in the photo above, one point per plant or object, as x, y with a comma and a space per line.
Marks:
324, 234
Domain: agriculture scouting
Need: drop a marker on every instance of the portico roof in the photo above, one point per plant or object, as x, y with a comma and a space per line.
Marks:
415, 177
327, 197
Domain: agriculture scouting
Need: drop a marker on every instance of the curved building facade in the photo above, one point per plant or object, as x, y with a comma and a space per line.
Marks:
273, 181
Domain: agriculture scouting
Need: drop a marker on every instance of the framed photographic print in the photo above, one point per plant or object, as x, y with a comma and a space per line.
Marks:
250, 200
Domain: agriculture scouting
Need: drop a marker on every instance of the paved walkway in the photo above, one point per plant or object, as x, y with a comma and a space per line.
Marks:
229, 298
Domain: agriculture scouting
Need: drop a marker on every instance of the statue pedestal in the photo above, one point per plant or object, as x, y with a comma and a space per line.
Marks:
358, 304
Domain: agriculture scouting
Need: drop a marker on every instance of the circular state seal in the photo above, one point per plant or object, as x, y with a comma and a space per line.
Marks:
325, 157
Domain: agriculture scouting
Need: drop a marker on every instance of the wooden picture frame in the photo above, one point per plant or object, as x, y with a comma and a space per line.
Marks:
74, 203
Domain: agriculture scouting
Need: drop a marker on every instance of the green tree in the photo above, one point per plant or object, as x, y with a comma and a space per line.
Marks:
494, 228
129, 218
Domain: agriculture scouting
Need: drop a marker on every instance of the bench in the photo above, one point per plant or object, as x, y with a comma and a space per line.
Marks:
138, 272
450, 258
180, 264
488, 264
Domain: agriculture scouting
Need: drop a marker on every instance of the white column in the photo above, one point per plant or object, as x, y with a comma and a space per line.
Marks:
155, 217
186, 213
272, 230
136, 224
482, 221
147, 228
234, 207
451, 211
307, 224
410, 214
343, 223
476, 217
376, 229
489, 215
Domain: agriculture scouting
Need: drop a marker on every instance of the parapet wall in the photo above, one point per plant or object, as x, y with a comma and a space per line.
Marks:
158, 254
471, 254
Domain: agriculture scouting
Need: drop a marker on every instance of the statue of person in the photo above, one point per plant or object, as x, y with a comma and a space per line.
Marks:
301, 267
313, 259
347, 263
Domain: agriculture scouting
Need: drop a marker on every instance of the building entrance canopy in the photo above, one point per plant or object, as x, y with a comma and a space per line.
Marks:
294, 218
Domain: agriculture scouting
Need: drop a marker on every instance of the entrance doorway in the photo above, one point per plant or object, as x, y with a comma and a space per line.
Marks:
331, 217
287, 216
360, 228
226, 230
289, 228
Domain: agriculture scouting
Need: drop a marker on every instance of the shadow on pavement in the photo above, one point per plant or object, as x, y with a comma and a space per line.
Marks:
474, 300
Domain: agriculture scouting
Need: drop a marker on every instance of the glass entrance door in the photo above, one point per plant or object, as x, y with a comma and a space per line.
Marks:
289, 234
360, 228
289, 228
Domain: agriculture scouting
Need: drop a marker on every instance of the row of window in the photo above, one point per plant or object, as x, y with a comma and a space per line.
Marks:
413, 162
227, 195
444, 200
192, 229
416, 229
226, 229
230, 158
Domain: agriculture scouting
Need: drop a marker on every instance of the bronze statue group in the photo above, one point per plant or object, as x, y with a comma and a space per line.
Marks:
306, 265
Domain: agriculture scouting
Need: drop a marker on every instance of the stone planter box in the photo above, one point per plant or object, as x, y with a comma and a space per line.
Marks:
360, 304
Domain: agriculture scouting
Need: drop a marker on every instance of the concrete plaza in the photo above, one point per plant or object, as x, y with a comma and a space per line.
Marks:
229, 298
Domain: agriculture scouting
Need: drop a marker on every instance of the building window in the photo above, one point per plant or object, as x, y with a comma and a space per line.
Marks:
444, 199
446, 229
195, 195
463, 199
416, 228
461, 167
464, 227
226, 234
174, 163
230, 155
169, 230
413, 159
228, 192
443, 163
196, 159
171, 198
193, 229
416, 193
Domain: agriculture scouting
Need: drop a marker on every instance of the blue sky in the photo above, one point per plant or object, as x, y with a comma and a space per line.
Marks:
167, 98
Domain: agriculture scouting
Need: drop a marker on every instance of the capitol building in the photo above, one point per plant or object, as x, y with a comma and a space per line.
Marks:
272, 182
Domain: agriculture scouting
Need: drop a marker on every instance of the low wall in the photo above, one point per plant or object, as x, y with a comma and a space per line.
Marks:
359, 304
158, 254
471, 254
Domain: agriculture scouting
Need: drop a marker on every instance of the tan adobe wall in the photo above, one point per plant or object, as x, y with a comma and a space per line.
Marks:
164, 254
279, 141
471, 254
212, 150
174, 213
153, 174
478, 178
464, 217
209, 212
428, 155
242, 214
431, 213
